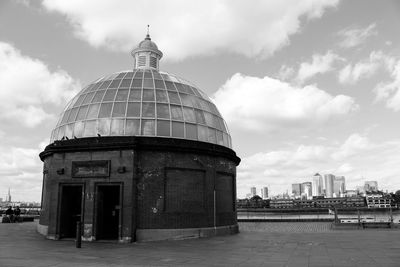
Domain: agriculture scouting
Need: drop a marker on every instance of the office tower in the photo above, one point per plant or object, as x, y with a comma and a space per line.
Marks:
264, 192
371, 186
317, 185
339, 186
8, 198
296, 190
329, 184
306, 190
253, 191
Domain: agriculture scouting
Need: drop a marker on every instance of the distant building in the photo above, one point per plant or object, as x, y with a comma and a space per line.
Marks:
281, 203
317, 185
264, 192
296, 190
378, 201
360, 190
8, 197
351, 193
339, 186
343, 202
253, 191
1, 199
329, 178
306, 190
371, 186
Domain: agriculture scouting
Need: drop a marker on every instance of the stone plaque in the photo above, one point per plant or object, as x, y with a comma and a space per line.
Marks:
90, 169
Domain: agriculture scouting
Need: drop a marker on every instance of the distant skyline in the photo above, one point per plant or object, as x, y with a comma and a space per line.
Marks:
366, 185
304, 86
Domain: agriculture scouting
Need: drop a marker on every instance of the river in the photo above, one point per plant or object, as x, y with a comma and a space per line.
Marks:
377, 216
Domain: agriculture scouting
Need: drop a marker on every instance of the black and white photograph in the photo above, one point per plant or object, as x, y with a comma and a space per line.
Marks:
199, 133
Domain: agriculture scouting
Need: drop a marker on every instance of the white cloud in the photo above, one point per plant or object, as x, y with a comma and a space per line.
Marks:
354, 36
27, 86
390, 91
357, 156
184, 28
364, 69
17, 160
286, 73
387, 91
20, 170
354, 144
320, 64
345, 168
252, 103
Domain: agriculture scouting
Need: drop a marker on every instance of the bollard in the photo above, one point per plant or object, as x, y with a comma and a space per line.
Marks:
78, 241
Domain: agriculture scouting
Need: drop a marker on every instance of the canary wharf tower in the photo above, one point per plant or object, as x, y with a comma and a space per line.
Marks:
139, 155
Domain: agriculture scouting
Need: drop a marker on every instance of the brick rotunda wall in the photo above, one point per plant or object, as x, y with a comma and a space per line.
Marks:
167, 183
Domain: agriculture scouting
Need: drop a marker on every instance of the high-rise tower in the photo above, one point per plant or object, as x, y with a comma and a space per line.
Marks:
329, 184
8, 198
317, 184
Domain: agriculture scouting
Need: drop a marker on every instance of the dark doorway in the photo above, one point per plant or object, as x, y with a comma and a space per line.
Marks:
107, 212
70, 209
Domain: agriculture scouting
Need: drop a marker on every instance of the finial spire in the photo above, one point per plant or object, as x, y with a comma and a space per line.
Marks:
148, 33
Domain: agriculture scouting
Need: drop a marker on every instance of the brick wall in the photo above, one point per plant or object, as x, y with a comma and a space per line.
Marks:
168, 188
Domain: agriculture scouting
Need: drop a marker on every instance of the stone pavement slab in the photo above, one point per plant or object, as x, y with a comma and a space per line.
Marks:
261, 245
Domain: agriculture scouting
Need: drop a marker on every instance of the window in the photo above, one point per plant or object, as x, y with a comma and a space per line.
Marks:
105, 110
98, 96
119, 109
117, 127
148, 109
148, 127
82, 113
132, 127
90, 128
72, 114
110, 95
163, 111
93, 111
142, 61
191, 131
163, 128
133, 109
153, 62
122, 95
177, 129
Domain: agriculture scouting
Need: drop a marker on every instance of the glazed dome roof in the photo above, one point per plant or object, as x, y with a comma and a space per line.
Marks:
142, 102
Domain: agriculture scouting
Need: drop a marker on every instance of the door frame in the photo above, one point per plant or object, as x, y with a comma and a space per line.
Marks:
59, 204
95, 206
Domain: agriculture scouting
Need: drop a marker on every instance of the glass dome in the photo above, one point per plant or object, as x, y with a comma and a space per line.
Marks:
142, 102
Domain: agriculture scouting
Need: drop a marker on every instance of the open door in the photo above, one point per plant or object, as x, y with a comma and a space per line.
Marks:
70, 209
107, 212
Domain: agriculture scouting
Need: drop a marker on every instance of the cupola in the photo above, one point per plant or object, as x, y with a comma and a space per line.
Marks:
146, 54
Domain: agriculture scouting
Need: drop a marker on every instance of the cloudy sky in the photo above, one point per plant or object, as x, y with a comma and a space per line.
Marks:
305, 86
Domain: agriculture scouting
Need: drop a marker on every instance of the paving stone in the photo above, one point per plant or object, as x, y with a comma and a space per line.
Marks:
265, 244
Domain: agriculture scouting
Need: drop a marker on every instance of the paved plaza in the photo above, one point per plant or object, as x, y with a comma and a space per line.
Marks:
258, 244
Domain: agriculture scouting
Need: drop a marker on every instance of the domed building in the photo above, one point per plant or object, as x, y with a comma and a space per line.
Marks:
139, 155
